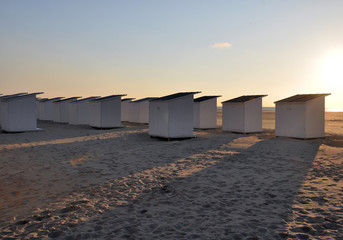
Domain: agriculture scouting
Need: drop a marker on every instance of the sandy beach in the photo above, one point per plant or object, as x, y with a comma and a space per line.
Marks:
77, 182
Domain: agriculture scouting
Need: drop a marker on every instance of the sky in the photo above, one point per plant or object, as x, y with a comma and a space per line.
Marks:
153, 48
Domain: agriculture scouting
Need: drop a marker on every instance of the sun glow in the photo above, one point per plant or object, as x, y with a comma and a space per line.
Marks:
332, 71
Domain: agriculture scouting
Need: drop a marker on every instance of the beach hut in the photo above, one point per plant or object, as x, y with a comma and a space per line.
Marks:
18, 113
301, 116
48, 110
40, 108
243, 114
79, 111
6, 96
140, 110
126, 109
61, 109
105, 112
205, 112
172, 116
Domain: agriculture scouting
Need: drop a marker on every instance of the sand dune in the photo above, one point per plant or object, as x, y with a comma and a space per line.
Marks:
75, 182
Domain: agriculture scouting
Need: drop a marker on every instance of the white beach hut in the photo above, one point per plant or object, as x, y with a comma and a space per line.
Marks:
205, 112
172, 116
6, 96
18, 113
126, 109
243, 114
48, 110
79, 111
37, 109
140, 110
105, 112
40, 108
61, 109
301, 116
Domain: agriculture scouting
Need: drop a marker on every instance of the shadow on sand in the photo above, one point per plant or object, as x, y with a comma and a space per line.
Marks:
242, 193
47, 175
230, 186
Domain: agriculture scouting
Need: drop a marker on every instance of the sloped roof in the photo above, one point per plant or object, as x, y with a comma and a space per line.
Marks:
204, 98
67, 99
144, 99
14, 96
174, 96
302, 97
244, 98
51, 99
86, 99
127, 99
108, 97
54, 99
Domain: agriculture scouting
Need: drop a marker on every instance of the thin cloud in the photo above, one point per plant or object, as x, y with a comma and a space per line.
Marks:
222, 45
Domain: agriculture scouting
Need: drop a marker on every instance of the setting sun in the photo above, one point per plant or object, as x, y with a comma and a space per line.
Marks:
332, 72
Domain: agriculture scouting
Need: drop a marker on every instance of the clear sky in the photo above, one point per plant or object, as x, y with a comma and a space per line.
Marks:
154, 48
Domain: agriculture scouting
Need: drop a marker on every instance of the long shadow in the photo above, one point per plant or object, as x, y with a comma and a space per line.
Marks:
239, 193
237, 187
51, 176
59, 133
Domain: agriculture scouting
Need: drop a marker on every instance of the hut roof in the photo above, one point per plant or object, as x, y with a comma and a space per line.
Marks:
11, 95
127, 99
144, 99
51, 99
15, 96
108, 97
175, 95
244, 98
86, 99
67, 99
302, 97
204, 98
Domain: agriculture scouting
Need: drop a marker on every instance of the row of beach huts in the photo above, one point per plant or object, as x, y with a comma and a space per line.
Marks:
171, 116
